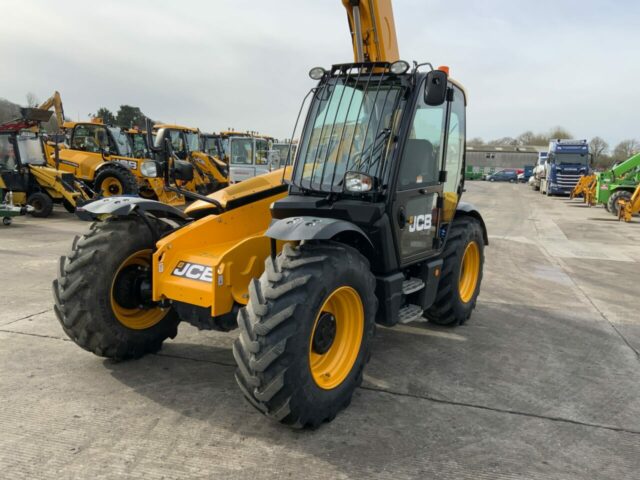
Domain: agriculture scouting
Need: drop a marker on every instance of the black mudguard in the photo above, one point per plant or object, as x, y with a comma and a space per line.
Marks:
312, 228
465, 208
124, 206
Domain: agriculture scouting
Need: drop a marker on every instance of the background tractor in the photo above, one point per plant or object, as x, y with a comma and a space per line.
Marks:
24, 171
367, 228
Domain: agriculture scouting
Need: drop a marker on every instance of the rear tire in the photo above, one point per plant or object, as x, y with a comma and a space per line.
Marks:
281, 347
94, 276
42, 204
612, 204
115, 180
450, 308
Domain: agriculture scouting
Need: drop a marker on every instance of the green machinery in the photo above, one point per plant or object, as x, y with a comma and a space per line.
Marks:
617, 183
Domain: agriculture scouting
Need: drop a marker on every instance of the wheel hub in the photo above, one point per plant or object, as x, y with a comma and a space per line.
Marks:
325, 333
130, 289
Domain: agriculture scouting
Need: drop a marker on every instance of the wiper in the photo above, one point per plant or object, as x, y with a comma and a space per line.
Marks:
378, 142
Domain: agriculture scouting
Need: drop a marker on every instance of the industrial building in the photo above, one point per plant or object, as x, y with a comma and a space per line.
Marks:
487, 159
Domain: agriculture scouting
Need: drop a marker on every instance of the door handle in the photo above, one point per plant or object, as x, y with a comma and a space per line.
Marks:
402, 218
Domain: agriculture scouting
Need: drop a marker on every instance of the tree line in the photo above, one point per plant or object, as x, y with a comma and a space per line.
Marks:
127, 116
603, 155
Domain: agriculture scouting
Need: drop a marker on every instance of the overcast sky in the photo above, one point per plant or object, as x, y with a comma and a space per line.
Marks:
243, 64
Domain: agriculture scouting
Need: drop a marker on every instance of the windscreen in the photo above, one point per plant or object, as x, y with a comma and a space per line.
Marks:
242, 151
122, 143
193, 141
573, 158
139, 145
30, 149
348, 126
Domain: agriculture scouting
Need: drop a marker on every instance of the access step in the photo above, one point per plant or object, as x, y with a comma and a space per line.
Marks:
410, 313
412, 285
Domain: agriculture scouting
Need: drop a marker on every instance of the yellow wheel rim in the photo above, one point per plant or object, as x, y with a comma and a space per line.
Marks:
331, 357
111, 187
469, 272
135, 318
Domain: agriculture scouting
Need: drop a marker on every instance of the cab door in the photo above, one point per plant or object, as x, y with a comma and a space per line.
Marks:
426, 196
418, 186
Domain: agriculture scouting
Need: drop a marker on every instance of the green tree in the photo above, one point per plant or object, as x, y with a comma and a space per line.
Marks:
559, 133
475, 142
129, 116
626, 149
106, 115
598, 148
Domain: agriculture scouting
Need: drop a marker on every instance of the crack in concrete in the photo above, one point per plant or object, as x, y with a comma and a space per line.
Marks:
502, 410
39, 335
27, 317
201, 360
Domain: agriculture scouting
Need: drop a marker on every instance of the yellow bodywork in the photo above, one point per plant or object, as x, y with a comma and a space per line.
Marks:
586, 188
629, 208
50, 180
206, 169
85, 165
210, 262
380, 43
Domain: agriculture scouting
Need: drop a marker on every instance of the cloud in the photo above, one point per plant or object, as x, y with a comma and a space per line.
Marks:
244, 64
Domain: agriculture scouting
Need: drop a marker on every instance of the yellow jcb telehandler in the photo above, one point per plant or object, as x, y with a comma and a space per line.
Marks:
368, 227
24, 172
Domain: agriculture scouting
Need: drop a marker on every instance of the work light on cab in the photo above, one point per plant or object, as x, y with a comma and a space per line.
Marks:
316, 73
399, 67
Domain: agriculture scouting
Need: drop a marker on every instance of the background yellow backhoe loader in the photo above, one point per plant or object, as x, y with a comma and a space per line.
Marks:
210, 172
369, 227
24, 171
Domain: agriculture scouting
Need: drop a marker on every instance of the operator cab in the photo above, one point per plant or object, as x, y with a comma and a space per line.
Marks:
382, 149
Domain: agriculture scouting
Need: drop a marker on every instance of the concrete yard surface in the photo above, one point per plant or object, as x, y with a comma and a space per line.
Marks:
542, 383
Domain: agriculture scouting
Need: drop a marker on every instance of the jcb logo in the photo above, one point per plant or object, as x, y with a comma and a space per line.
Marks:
193, 271
418, 223
130, 164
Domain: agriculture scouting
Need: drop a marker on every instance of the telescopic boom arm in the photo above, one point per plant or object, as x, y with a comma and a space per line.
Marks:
373, 30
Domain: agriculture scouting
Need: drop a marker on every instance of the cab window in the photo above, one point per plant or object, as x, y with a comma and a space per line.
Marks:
262, 152
8, 160
242, 151
91, 138
421, 158
455, 142
177, 144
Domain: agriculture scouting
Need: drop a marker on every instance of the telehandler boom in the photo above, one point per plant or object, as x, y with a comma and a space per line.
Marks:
366, 227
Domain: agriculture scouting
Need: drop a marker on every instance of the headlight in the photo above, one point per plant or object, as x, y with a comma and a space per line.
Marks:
150, 169
357, 182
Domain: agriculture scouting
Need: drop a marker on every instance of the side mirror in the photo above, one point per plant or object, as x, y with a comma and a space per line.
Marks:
182, 170
435, 88
106, 151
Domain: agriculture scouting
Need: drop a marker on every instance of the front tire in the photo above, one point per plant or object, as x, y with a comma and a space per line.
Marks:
113, 180
96, 294
305, 333
463, 261
42, 204
612, 204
